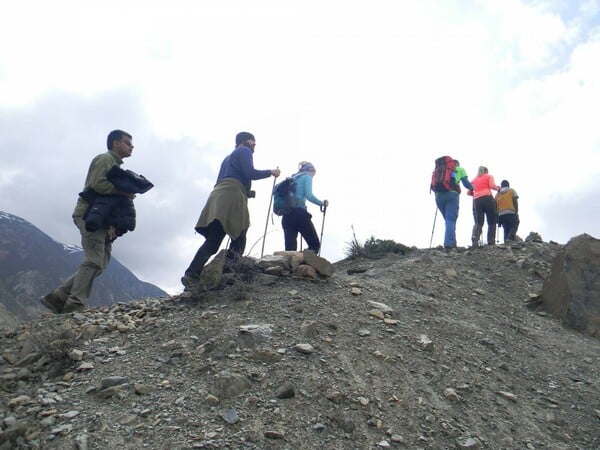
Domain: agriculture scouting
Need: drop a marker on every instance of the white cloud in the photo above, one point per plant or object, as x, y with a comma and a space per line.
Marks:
371, 93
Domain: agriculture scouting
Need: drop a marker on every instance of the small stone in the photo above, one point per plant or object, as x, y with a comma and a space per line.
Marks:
286, 390
48, 421
487, 342
20, 400
66, 428
70, 414
363, 401
272, 434
128, 419
383, 444
112, 381
468, 443
334, 396
230, 416
507, 395
381, 307
377, 313
142, 389
451, 394
450, 273
479, 291
211, 399
309, 329
306, 349
109, 392
10, 421
396, 438
85, 366
363, 332
76, 355
68, 376
426, 343
356, 291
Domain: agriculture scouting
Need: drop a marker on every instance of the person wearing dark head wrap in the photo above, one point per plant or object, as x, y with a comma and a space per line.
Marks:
508, 211
242, 137
226, 210
299, 219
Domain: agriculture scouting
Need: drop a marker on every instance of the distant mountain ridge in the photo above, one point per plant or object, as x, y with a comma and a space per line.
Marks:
32, 264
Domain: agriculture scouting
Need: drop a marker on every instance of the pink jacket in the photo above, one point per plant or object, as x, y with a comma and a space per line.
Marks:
483, 185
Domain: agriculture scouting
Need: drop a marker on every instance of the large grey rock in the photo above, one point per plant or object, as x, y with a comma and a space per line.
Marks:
295, 258
572, 290
268, 261
321, 265
212, 274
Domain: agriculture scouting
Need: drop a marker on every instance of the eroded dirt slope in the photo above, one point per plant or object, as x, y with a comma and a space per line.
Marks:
423, 350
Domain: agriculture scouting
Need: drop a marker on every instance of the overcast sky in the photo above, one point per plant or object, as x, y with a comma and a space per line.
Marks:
370, 92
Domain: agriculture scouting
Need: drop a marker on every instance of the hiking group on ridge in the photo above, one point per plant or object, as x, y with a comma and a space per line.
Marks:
503, 209
105, 211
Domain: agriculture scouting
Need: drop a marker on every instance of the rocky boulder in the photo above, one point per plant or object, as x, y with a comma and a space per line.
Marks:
572, 290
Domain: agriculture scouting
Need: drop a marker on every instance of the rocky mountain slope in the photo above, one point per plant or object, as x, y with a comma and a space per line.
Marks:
423, 350
32, 264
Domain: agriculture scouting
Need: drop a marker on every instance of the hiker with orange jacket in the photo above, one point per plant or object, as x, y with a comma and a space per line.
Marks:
483, 205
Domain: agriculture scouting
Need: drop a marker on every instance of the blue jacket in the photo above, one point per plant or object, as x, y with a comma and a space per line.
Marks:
239, 164
304, 190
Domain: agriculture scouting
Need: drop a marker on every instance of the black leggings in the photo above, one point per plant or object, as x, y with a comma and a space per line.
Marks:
299, 221
509, 223
214, 235
484, 206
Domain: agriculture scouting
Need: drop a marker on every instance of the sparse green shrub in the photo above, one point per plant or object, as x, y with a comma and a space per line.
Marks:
373, 248
354, 248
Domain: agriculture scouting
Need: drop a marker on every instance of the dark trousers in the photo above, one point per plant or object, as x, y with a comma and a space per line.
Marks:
214, 237
299, 221
509, 223
484, 206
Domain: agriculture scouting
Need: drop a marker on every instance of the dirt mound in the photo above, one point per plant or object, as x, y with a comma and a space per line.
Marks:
423, 350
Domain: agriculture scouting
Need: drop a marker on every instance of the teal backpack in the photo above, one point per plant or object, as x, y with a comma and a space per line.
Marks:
284, 199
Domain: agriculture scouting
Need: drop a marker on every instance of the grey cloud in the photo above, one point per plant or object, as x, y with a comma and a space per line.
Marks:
568, 215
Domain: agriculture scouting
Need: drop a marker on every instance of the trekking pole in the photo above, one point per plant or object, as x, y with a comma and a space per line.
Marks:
262, 250
323, 210
433, 229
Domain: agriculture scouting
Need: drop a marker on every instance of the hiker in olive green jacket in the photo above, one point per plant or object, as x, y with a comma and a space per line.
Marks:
72, 295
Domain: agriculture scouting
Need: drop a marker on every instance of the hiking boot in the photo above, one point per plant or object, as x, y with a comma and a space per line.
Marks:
72, 305
190, 281
53, 301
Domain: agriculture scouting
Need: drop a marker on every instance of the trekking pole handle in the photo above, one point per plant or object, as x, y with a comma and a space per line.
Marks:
323, 207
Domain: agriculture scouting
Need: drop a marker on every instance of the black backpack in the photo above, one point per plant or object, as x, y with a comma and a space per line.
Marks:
284, 199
